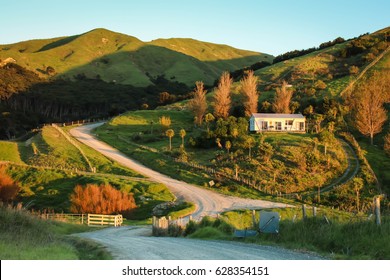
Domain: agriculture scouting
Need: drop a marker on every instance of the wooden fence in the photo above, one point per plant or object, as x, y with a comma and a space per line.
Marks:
104, 220
88, 219
68, 218
161, 225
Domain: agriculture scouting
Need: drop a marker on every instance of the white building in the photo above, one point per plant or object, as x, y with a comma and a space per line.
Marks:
277, 122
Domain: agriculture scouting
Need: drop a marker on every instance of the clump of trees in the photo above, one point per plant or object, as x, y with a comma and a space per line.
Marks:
103, 199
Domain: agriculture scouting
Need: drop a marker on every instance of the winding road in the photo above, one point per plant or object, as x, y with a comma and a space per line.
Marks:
130, 242
207, 202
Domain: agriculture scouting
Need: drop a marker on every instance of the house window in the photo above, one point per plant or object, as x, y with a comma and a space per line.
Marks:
278, 125
301, 126
289, 122
264, 125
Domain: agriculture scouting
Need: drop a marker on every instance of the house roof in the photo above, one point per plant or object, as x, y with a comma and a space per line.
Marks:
277, 116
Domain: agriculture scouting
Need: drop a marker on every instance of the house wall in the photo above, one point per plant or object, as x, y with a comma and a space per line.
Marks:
275, 124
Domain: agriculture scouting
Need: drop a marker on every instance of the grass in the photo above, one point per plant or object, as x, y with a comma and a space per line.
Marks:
9, 152
50, 189
346, 237
379, 161
43, 188
25, 237
51, 148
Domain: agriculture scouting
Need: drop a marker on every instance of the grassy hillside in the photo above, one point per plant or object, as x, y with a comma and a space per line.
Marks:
25, 237
49, 184
140, 135
332, 65
112, 56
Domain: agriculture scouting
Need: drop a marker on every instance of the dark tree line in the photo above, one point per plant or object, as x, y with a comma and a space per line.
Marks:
296, 53
27, 100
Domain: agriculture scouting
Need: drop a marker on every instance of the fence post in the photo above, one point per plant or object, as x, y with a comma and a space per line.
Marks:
88, 219
314, 211
304, 211
378, 210
254, 219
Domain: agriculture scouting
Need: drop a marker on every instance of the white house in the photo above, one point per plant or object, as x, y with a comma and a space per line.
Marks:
277, 122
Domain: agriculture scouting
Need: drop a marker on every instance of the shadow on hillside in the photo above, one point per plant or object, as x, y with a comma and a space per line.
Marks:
148, 63
58, 43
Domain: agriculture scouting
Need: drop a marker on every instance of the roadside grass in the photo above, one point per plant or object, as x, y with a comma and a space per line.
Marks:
345, 237
25, 237
9, 152
379, 161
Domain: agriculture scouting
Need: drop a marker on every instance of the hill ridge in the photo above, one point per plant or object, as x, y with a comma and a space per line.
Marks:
111, 56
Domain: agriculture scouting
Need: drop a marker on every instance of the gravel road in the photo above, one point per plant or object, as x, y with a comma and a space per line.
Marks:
207, 202
135, 243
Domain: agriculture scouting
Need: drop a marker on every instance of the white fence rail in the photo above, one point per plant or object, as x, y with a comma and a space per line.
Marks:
104, 220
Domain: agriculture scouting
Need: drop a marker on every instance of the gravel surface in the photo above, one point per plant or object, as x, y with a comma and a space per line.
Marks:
135, 243
207, 202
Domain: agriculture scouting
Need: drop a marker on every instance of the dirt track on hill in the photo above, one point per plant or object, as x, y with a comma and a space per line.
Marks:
207, 202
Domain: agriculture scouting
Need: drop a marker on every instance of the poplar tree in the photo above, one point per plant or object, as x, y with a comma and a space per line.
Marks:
250, 93
198, 103
222, 99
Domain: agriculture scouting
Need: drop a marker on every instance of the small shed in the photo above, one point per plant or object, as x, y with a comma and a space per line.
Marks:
260, 122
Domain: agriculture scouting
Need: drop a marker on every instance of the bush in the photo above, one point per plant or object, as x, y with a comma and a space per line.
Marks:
9, 189
103, 199
190, 228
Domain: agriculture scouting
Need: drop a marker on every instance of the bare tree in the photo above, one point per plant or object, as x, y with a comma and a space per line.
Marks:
198, 103
222, 100
250, 93
370, 115
282, 99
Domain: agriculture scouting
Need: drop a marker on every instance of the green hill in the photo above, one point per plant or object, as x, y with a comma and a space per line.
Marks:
335, 66
112, 56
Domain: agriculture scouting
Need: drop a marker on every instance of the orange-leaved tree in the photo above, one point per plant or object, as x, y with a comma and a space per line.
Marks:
222, 100
250, 93
103, 199
9, 189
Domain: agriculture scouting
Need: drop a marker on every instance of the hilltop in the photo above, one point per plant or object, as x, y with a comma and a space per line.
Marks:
115, 57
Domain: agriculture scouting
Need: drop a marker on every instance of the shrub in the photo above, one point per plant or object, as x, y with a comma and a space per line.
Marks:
190, 228
103, 199
9, 189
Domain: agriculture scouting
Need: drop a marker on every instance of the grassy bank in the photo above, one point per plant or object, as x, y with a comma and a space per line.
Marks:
26, 237
344, 237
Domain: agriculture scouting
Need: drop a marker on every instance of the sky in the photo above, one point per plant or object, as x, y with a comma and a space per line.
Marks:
273, 26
